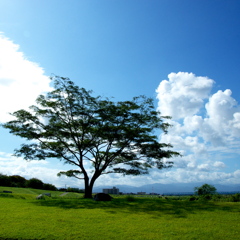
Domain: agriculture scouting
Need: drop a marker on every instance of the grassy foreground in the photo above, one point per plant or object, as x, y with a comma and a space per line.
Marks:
24, 217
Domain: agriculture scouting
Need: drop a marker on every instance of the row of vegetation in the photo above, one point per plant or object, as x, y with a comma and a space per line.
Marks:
205, 192
21, 182
209, 192
18, 181
204, 198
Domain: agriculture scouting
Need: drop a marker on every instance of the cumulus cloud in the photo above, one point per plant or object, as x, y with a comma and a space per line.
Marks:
21, 80
183, 94
219, 164
206, 126
223, 114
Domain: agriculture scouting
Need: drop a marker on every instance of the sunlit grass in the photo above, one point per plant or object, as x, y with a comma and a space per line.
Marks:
143, 218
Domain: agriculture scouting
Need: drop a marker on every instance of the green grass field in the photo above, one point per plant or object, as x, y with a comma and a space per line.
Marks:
72, 217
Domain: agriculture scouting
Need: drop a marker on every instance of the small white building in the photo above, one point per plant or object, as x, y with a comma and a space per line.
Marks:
141, 193
113, 190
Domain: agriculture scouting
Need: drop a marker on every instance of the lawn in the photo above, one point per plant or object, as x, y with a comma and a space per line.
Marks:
24, 217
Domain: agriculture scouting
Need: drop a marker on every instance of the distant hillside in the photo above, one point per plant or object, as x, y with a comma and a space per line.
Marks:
169, 188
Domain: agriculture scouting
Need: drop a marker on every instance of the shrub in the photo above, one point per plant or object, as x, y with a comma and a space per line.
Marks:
217, 197
35, 183
206, 197
193, 198
17, 181
48, 186
235, 197
130, 198
77, 190
5, 180
205, 189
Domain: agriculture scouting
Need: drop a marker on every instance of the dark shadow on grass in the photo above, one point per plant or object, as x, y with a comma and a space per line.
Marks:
155, 207
19, 239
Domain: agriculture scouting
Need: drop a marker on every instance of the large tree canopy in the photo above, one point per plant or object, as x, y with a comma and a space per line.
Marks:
205, 189
95, 135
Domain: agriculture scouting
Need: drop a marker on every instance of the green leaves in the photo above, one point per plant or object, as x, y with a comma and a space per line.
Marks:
70, 173
205, 189
31, 152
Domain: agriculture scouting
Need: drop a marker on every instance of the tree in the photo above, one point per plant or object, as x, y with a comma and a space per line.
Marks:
48, 186
5, 180
35, 183
17, 181
92, 133
205, 189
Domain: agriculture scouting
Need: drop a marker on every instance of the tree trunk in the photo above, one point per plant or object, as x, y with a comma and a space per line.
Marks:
88, 192
89, 187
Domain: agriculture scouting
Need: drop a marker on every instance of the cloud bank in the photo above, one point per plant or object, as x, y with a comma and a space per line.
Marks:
43, 170
21, 80
206, 128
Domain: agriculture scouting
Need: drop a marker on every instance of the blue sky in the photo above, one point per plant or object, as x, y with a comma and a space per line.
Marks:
184, 54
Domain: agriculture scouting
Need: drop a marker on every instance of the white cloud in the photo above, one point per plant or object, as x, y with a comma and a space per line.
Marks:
206, 127
21, 80
43, 170
183, 94
237, 174
224, 114
181, 175
219, 164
